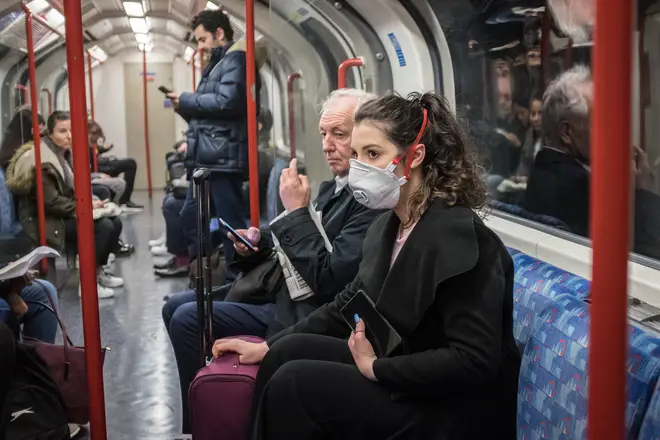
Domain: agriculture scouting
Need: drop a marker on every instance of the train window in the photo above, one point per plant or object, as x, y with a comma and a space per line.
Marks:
523, 81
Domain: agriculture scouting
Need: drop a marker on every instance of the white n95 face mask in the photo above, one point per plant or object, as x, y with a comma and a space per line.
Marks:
380, 188
375, 188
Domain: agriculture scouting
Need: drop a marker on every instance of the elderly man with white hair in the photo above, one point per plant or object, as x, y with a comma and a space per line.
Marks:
558, 184
322, 241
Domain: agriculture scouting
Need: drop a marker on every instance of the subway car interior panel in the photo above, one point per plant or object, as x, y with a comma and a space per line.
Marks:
212, 173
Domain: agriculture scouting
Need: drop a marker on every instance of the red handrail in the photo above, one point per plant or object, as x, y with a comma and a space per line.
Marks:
95, 152
343, 70
610, 190
146, 119
26, 94
36, 134
50, 99
90, 300
250, 86
292, 129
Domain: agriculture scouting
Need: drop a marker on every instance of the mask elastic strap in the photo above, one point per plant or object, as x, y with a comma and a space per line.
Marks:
411, 152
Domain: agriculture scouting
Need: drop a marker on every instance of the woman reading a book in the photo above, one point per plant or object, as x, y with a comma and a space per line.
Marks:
432, 275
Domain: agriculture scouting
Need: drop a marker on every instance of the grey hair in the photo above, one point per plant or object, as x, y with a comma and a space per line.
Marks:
565, 17
359, 95
565, 99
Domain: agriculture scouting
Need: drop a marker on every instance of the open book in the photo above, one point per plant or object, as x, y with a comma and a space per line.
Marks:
298, 288
20, 267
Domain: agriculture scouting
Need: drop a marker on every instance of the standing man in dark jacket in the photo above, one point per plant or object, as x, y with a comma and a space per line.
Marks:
344, 222
217, 124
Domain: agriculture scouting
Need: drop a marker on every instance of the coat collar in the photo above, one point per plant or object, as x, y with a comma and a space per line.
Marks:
442, 245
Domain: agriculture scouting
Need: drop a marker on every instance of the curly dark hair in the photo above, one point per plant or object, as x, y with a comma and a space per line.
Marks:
212, 20
450, 169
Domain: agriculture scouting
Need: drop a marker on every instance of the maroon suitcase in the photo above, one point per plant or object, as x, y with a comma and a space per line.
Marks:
220, 396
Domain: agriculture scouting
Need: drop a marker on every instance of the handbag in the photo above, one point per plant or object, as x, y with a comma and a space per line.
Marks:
68, 366
260, 279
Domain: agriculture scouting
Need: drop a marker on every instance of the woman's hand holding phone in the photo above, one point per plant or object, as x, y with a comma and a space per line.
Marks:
362, 351
252, 235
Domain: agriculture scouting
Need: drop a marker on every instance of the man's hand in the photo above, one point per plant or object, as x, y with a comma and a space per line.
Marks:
97, 204
182, 148
294, 188
253, 235
174, 97
641, 169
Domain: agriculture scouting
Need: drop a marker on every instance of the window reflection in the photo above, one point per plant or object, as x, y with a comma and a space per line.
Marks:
523, 80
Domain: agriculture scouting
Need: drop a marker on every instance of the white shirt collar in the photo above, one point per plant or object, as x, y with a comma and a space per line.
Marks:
341, 181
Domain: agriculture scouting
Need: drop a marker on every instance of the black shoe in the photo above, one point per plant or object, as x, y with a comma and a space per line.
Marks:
165, 265
172, 270
124, 249
131, 206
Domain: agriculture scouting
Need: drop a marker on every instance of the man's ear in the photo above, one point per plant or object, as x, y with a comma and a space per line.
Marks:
565, 132
220, 34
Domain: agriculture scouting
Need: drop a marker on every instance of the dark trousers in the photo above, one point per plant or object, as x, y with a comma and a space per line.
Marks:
101, 191
226, 202
114, 168
106, 236
176, 241
308, 388
229, 319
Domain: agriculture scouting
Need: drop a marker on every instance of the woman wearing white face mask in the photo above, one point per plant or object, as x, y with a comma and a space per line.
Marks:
438, 359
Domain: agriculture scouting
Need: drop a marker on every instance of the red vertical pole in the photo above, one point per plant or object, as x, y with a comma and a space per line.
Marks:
568, 55
610, 190
95, 152
343, 70
39, 181
194, 71
250, 85
292, 129
146, 118
49, 96
75, 57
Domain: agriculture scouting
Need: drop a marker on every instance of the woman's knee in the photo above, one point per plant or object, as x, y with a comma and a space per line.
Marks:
289, 348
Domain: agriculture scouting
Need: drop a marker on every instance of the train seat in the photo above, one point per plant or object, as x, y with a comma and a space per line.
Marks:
535, 284
553, 385
523, 213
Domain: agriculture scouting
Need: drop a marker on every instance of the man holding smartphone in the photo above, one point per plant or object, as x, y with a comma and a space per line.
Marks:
217, 125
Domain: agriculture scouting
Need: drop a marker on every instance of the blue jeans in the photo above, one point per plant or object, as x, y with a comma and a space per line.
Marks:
226, 202
176, 241
38, 323
229, 319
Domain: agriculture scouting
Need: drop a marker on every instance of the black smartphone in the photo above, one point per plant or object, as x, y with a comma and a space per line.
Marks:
238, 236
378, 330
164, 90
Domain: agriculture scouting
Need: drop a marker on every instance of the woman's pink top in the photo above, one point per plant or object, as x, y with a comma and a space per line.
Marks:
401, 238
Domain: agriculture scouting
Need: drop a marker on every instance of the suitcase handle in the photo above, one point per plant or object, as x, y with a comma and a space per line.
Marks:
203, 283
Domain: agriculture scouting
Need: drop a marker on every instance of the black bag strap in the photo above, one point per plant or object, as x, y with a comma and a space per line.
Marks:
203, 285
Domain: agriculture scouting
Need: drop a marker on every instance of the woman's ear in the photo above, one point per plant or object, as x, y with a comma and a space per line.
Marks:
418, 156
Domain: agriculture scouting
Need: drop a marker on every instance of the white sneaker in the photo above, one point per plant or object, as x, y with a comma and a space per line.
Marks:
111, 258
104, 292
160, 251
108, 280
160, 241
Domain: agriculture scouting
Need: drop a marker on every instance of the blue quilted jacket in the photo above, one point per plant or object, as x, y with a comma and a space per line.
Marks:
217, 113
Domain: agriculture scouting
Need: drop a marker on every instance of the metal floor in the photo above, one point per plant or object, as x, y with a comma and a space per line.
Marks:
140, 375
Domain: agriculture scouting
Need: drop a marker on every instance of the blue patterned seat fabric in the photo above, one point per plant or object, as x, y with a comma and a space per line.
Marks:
535, 284
553, 386
9, 226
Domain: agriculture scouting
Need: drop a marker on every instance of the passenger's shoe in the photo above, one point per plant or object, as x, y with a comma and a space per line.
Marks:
164, 265
74, 430
124, 249
160, 251
160, 241
104, 292
131, 207
108, 280
175, 267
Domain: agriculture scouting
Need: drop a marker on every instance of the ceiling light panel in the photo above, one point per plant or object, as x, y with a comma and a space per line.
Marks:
134, 9
212, 6
139, 25
142, 38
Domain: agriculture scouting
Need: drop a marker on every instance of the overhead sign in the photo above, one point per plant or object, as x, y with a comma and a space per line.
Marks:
150, 75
